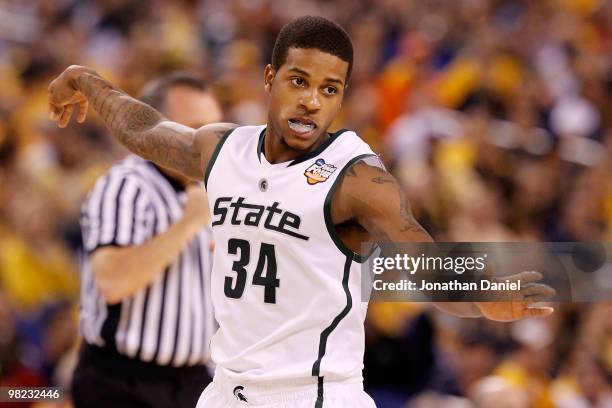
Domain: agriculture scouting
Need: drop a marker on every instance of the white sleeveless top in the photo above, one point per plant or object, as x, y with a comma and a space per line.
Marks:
285, 290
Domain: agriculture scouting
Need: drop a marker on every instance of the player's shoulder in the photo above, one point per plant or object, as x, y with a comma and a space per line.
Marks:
216, 130
362, 164
346, 147
365, 169
243, 131
348, 136
365, 189
210, 138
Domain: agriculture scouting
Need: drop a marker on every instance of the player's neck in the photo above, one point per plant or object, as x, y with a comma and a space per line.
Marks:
276, 150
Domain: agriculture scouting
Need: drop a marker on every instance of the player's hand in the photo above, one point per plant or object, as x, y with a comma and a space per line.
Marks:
515, 305
196, 207
64, 98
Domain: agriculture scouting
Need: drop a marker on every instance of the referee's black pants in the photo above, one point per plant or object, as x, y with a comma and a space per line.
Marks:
103, 378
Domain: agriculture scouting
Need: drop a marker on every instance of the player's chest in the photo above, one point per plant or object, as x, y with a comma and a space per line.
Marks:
282, 199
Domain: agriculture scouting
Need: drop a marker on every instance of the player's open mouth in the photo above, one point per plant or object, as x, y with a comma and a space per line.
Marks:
301, 126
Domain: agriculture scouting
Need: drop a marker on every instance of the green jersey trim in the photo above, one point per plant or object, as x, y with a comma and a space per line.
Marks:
331, 228
214, 156
316, 367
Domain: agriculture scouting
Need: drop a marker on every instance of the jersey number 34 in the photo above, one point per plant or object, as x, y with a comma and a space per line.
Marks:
234, 287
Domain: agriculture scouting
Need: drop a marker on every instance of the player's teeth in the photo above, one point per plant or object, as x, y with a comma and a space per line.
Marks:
300, 127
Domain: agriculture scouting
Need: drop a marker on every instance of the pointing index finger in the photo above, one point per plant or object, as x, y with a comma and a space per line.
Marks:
539, 311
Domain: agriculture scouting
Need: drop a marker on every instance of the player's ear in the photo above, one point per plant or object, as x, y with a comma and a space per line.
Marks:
269, 74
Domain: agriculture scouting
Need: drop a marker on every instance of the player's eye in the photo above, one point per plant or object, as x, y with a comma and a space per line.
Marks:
330, 90
297, 81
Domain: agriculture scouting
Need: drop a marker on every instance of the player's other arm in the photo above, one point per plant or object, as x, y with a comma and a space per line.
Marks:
138, 126
120, 272
374, 198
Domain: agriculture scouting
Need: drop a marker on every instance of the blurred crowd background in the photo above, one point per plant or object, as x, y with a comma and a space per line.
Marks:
496, 115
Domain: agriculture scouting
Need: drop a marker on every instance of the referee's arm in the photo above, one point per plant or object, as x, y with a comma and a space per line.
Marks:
122, 271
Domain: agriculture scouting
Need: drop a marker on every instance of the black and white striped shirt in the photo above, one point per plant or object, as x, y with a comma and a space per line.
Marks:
170, 322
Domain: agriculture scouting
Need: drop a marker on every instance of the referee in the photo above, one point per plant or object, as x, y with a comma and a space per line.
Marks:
145, 315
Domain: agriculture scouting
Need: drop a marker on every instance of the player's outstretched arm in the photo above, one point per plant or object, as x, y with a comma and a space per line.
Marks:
138, 126
373, 197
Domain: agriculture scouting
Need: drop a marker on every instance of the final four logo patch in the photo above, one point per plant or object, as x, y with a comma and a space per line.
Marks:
319, 172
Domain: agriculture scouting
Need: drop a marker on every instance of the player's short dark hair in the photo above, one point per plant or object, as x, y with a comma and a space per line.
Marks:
154, 92
313, 32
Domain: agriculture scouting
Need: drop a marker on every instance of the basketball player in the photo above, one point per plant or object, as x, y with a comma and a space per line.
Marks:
291, 204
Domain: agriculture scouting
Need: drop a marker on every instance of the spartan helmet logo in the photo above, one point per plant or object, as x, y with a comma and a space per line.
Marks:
263, 185
238, 394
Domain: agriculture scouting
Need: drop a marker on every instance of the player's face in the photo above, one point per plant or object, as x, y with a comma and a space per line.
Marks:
305, 95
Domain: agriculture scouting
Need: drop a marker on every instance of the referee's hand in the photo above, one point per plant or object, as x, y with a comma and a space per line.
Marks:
196, 206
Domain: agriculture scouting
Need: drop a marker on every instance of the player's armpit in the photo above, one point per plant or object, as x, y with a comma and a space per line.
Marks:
206, 140
372, 197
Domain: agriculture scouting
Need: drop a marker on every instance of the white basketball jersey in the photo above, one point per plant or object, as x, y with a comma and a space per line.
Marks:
285, 290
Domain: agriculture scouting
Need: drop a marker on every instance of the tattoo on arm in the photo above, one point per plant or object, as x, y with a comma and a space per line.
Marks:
139, 127
410, 223
382, 180
124, 115
407, 222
